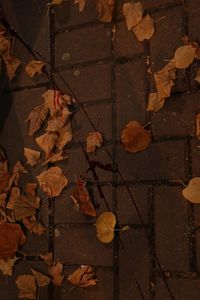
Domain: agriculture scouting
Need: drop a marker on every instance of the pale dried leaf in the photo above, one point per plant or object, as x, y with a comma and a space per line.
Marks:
27, 286
133, 13
105, 10
192, 191
155, 103
41, 279
184, 56
12, 63
52, 181
84, 276
145, 29
105, 225
32, 156
81, 4
55, 124
55, 272
54, 101
34, 67
198, 126
14, 194
6, 266
65, 136
36, 118
47, 142
94, 139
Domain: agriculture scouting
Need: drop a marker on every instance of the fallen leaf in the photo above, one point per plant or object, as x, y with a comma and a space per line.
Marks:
55, 124
145, 29
198, 126
33, 225
81, 199
5, 45
55, 272
155, 103
84, 276
12, 63
197, 78
81, 4
105, 225
36, 118
4, 181
56, 2
105, 10
25, 206
30, 188
32, 156
184, 56
135, 138
54, 101
34, 67
55, 157
65, 136
133, 13
14, 194
3, 198
52, 181
11, 237
47, 142
27, 286
18, 170
48, 258
6, 266
192, 191
41, 279
94, 139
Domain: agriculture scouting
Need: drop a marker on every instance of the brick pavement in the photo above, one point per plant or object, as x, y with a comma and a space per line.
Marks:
113, 84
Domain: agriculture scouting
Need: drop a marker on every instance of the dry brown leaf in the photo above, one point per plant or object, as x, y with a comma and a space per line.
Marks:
41, 279
27, 286
82, 200
6, 266
55, 124
135, 138
56, 2
184, 56
34, 67
48, 258
55, 157
53, 100
36, 118
145, 29
47, 142
65, 136
52, 181
105, 225
155, 103
30, 188
84, 276
25, 206
192, 191
12, 63
14, 194
81, 4
33, 225
133, 13
197, 78
11, 237
55, 272
32, 156
18, 170
198, 126
94, 139
4, 181
105, 10
5, 45
3, 198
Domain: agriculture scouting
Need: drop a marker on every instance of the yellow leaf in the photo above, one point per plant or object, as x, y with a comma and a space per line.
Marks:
145, 29
184, 56
105, 225
192, 191
133, 13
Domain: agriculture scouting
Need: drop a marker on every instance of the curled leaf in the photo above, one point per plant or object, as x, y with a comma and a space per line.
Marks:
105, 225
27, 286
94, 139
192, 191
133, 13
184, 56
105, 9
84, 276
55, 272
145, 29
36, 118
32, 156
34, 67
47, 142
135, 138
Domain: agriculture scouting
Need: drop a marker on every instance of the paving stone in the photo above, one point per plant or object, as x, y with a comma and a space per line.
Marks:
103, 289
35, 245
65, 211
177, 117
86, 44
126, 211
183, 289
80, 246
171, 223
193, 20
68, 14
163, 160
88, 83
130, 93
134, 264
195, 150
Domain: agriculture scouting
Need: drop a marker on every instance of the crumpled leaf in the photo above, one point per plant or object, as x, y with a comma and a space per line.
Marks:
48, 258
47, 142
145, 29
33, 225
105, 10
94, 139
55, 272
27, 286
81, 4
6, 266
11, 237
192, 191
14, 194
41, 279
25, 206
198, 126
84, 276
184, 56
105, 225
133, 13
55, 124
65, 136
12, 63
55, 157
81, 199
135, 138
155, 103
36, 118
34, 67
55, 101
32, 156
52, 181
